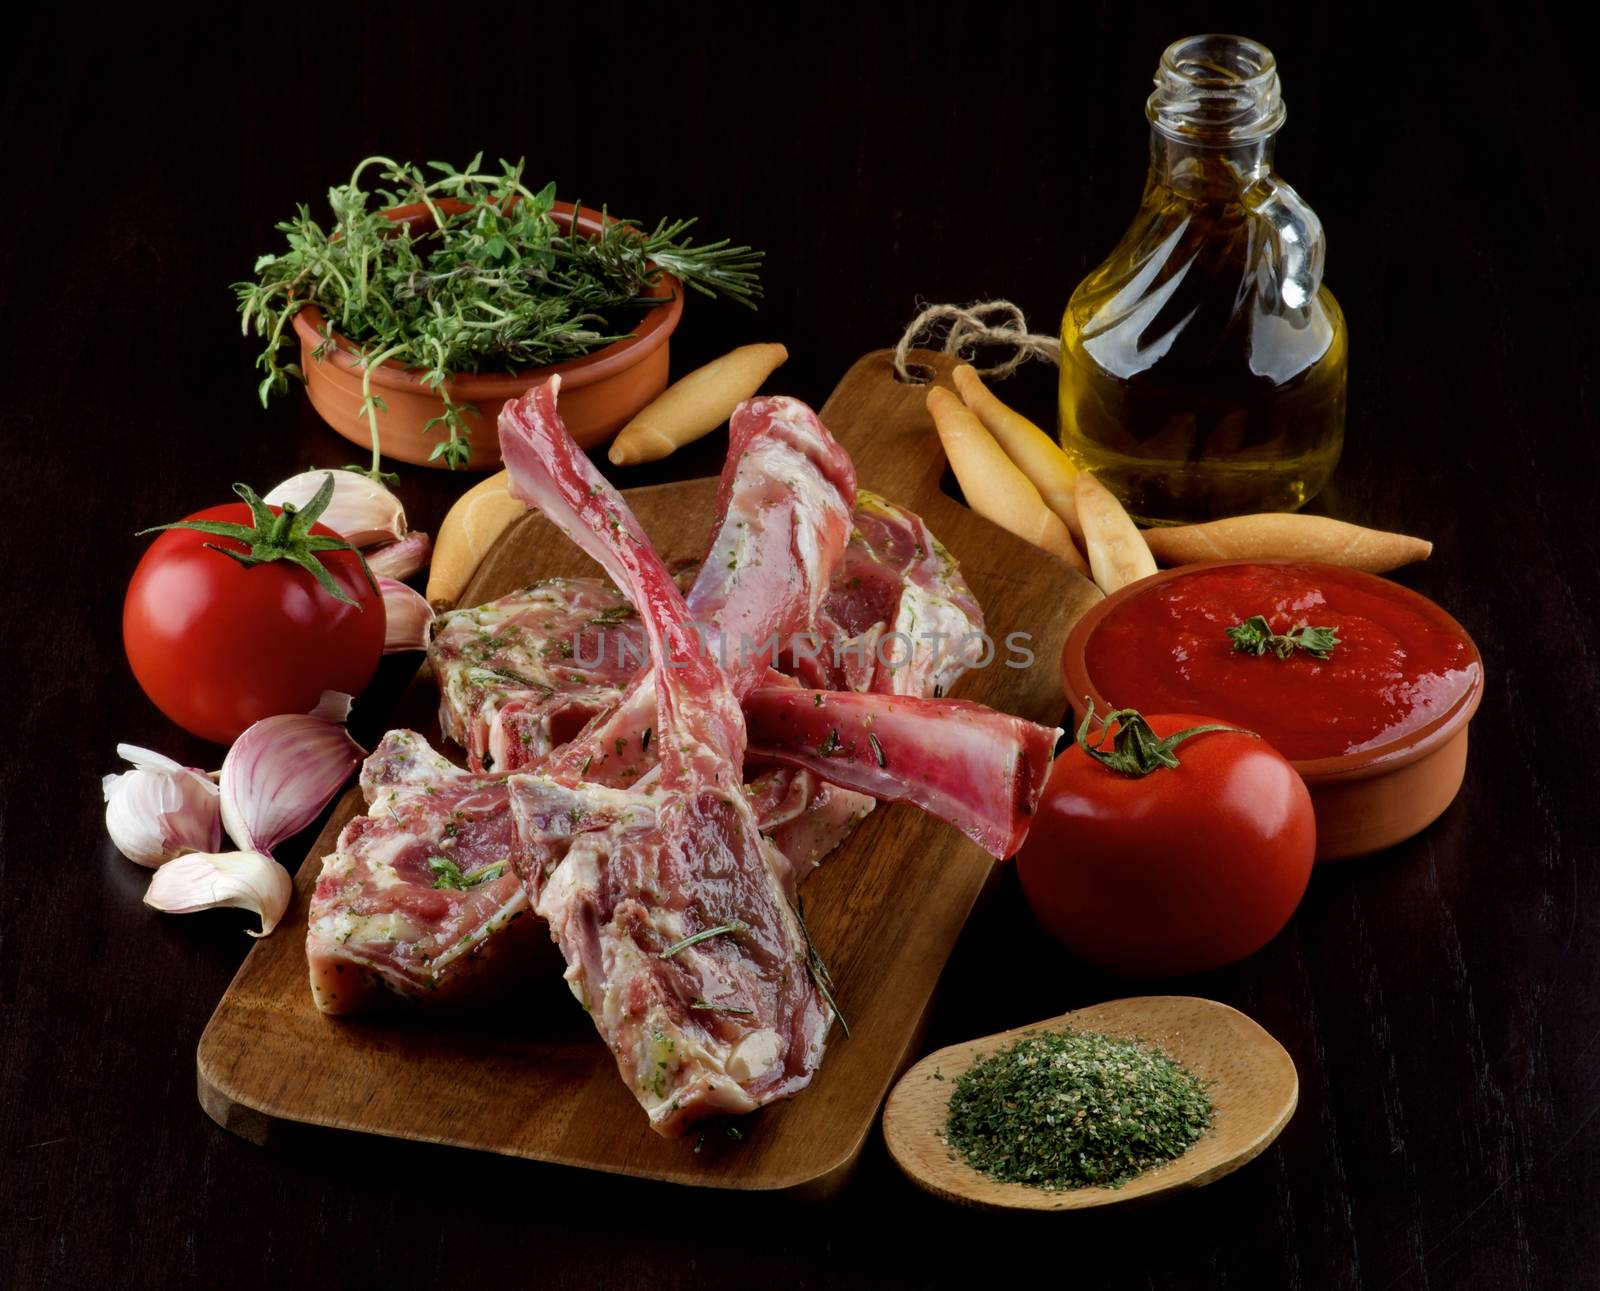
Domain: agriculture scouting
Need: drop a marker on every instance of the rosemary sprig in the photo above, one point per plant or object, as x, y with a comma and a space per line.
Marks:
495, 287
814, 965
732, 928
707, 1007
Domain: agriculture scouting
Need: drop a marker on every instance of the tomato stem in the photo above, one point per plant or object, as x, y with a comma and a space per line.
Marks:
281, 535
1136, 750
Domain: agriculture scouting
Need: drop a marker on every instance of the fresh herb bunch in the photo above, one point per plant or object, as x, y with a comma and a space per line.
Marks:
496, 287
1071, 1109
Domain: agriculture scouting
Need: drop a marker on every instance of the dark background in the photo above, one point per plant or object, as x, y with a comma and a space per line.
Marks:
1440, 1001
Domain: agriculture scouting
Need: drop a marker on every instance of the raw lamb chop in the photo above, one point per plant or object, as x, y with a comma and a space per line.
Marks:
515, 678
521, 675
897, 614
783, 518
675, 916
419, 898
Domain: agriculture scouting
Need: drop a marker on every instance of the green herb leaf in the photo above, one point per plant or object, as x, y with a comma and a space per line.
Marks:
1255, 637
698, 1003
447, 874
820, 976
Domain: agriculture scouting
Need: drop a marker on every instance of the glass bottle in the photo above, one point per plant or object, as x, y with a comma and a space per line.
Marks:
1203, 363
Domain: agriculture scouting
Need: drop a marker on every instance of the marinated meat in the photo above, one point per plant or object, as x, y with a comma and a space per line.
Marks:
522, 674
419, 898
898, 617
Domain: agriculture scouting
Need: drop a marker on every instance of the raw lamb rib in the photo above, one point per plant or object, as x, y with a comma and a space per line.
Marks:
980, 770
675, 916
897, 614
419, 897
521, 675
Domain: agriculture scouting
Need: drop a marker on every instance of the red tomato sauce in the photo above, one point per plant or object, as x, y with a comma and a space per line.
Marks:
1400, 662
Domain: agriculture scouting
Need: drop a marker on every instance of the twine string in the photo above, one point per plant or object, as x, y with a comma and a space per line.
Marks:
987, 322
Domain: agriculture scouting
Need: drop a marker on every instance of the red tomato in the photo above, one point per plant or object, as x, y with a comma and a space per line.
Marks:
217, 646
1185, 869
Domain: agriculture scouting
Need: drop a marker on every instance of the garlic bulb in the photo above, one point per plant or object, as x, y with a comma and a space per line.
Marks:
160, 809
400, 559
362, 511
204, 881
280, 773
407, 617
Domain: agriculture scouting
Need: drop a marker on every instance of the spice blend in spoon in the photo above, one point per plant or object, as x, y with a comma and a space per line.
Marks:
1067, 1109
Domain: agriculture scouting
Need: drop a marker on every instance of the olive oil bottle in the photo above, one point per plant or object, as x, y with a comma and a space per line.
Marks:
1203, 363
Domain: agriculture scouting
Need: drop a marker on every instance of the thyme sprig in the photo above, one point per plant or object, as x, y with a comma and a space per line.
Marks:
497, 286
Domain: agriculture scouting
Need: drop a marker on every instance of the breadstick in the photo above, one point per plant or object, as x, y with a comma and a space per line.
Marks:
1117, 551
479, 516
1039, 456
1286, 536
695, 405
993, 485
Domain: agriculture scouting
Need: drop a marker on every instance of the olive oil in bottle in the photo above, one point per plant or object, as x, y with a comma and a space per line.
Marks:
1203, 363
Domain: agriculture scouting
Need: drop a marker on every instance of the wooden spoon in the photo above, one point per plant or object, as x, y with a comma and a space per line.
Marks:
1251, 1080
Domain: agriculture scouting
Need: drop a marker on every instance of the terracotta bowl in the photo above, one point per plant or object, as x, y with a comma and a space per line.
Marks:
1364, 801
599, 392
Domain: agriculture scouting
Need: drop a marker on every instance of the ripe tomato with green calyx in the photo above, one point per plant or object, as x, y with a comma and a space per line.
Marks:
244, 611
1184, 846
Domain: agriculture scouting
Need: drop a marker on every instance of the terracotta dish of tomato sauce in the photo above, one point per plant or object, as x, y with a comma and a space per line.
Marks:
1388, 707
1400, 661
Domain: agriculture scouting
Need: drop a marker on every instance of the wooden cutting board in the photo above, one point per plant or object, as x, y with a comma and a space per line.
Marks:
532, 1079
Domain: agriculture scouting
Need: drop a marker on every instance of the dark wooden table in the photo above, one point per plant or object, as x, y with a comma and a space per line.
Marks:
1440, 1001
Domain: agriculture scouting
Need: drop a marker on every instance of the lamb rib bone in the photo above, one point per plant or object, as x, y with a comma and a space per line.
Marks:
978, 769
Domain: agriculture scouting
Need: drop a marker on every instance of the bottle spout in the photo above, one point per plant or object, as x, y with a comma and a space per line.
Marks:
1298, 243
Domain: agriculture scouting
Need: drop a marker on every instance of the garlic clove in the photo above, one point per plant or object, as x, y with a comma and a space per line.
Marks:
204, 881
401, 559
160, 809
334, 706
362, 511
280, 773
408, 617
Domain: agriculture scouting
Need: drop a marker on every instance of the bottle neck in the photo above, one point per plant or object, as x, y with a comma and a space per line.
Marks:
1208, 171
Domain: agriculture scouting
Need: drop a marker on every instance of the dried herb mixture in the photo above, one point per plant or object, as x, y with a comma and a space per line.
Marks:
1070, 1109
